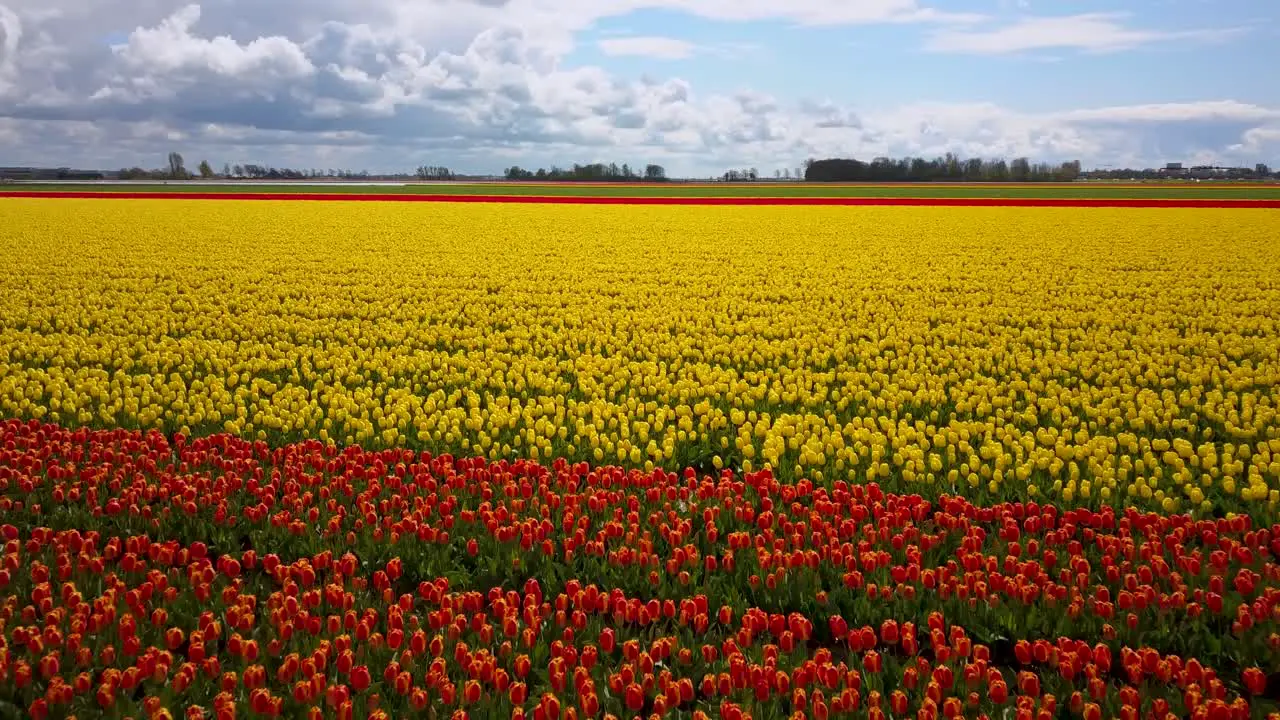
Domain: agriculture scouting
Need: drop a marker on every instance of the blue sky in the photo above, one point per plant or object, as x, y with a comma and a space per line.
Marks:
1223, 50
699, 85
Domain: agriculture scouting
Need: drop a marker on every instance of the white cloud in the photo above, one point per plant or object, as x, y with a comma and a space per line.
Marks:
804, 12
662, 48
1259, 142
10, 36
1093, 32
171, 47
1221, 110
667, 48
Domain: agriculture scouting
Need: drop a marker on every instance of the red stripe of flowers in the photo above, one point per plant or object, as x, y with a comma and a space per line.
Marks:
137, 564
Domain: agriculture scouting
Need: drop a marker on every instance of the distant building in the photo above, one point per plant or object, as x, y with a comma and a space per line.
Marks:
1207, 172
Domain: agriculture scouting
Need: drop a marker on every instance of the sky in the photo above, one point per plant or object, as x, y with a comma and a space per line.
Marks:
699, 86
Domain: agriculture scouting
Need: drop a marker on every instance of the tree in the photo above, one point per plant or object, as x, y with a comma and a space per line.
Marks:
655, 173
177, 167
1020, 170
434, 172
206, 171
1069, 171
835, 170
953, 171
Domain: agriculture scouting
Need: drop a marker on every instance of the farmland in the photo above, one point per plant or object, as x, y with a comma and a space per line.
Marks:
1069, 191
549, 460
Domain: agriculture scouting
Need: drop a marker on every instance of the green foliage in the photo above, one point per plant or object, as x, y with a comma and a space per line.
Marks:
950, 168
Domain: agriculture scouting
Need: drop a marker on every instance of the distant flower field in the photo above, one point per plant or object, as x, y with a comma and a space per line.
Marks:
327, 459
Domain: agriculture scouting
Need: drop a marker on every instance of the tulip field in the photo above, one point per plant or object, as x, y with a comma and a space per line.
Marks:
268, 458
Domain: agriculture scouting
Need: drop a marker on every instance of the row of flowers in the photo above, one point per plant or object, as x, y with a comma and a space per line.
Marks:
95, 624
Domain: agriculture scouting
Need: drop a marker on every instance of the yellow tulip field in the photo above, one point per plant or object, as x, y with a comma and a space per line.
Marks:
1084, 356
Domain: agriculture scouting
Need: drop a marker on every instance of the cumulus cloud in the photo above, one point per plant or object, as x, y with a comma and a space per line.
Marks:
477, 84
1258, 142
162, 62
171, 47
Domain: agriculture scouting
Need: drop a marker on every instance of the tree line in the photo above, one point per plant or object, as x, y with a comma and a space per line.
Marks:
950, 168
1260, 171
596, 172
176, 169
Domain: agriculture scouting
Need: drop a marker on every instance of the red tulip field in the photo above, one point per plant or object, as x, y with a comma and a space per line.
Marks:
292, 581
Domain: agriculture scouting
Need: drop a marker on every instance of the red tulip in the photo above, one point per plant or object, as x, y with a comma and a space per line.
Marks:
1255, 681
360, 678
998, 692
518, 693
889, 632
